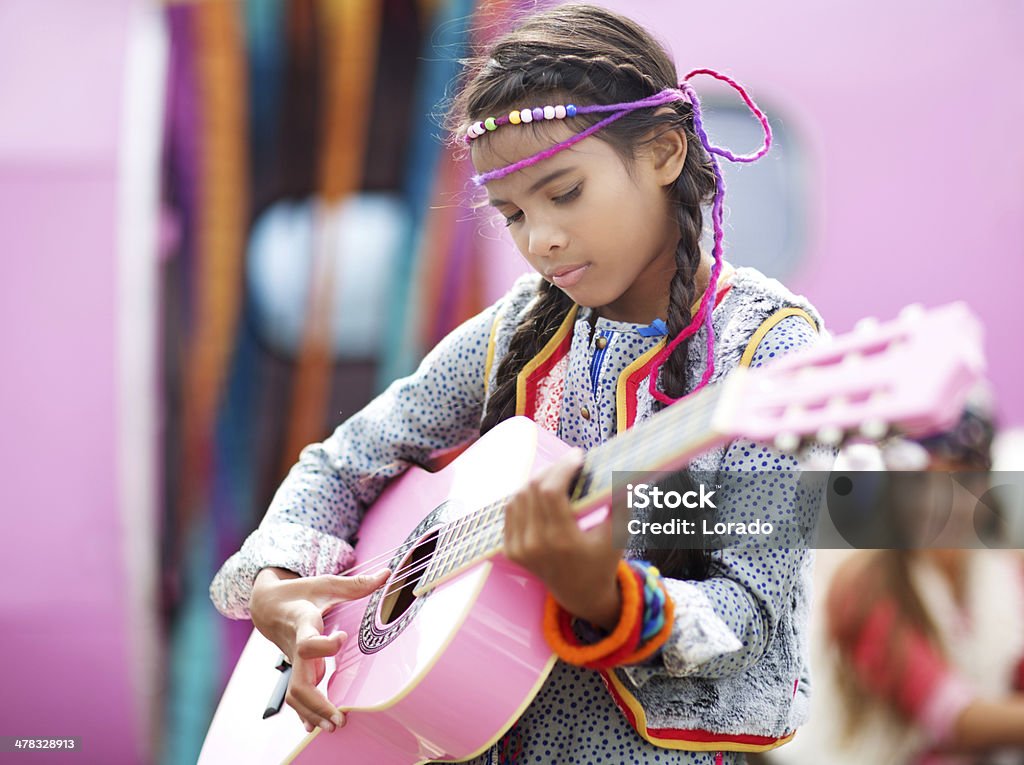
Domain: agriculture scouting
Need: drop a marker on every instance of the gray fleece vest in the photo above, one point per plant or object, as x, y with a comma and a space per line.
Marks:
760, 707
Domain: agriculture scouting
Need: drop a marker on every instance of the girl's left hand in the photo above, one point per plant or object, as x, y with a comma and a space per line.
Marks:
542, 536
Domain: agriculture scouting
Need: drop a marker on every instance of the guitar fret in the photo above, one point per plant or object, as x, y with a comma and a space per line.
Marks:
454, 558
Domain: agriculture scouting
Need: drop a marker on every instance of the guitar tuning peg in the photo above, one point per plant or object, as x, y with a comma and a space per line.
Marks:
867, 324
875, 430
912, 312
787, 442
829, 435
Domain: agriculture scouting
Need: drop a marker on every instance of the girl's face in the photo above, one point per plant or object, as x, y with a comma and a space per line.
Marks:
604, 235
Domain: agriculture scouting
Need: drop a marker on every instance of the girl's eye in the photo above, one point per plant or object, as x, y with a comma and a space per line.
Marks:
569, 195
564, 199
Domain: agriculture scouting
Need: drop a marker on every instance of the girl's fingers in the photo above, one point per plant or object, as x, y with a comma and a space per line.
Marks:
320, 646
309, 626
554, 488
312, 706
533, 523
539, 518
330, 589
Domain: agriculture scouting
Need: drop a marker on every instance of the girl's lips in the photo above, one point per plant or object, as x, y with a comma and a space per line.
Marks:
571, 277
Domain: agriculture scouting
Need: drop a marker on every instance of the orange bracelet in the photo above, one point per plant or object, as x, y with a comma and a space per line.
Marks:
615, 658
583, 654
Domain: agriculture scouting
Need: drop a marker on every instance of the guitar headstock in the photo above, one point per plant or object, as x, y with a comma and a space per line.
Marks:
911, 374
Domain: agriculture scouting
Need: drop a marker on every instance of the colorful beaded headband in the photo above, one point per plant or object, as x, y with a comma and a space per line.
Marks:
683, 93
539, 113
560, 112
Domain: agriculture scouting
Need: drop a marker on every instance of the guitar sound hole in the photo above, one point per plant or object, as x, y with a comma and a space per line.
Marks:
398, 595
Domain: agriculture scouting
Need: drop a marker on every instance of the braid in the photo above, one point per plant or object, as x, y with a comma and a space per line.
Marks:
530, 336
681, 296
570, 70
694, 187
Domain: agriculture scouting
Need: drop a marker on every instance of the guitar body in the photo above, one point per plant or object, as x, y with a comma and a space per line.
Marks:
439, 678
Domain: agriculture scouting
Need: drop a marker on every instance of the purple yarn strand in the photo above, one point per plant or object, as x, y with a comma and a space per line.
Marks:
661, 97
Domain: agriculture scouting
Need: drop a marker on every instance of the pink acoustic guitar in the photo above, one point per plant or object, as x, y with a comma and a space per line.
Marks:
417, 675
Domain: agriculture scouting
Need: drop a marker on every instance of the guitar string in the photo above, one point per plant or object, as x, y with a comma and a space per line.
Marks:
613, 448
601, 458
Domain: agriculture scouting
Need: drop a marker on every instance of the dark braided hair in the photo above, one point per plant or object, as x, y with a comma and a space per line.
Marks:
590, 55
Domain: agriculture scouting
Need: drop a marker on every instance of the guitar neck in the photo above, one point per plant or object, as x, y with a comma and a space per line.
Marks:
656, 447
910, 375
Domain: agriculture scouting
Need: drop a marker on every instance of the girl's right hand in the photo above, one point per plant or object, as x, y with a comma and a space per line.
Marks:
288, 610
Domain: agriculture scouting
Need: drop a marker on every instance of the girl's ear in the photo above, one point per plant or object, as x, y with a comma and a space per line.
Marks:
667, 155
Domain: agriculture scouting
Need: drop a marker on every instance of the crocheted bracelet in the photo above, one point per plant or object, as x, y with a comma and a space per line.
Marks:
644, 625
683, 93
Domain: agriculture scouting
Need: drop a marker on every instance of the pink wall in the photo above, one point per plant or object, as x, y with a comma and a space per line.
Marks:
63, 614
910, 114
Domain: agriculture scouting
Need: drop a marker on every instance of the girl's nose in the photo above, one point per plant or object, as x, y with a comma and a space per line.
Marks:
546, 239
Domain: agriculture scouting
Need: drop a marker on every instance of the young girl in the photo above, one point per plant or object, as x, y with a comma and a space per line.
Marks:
595, 154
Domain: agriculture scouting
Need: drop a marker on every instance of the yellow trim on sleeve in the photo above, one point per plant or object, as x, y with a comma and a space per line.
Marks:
766, 327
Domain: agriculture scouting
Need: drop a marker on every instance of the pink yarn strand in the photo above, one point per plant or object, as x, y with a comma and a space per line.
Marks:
704, 313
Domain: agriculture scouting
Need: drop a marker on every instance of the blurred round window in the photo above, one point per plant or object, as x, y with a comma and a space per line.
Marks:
765, 211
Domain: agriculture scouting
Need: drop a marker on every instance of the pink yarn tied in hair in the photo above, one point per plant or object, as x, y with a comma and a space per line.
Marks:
683, 93
703, 315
